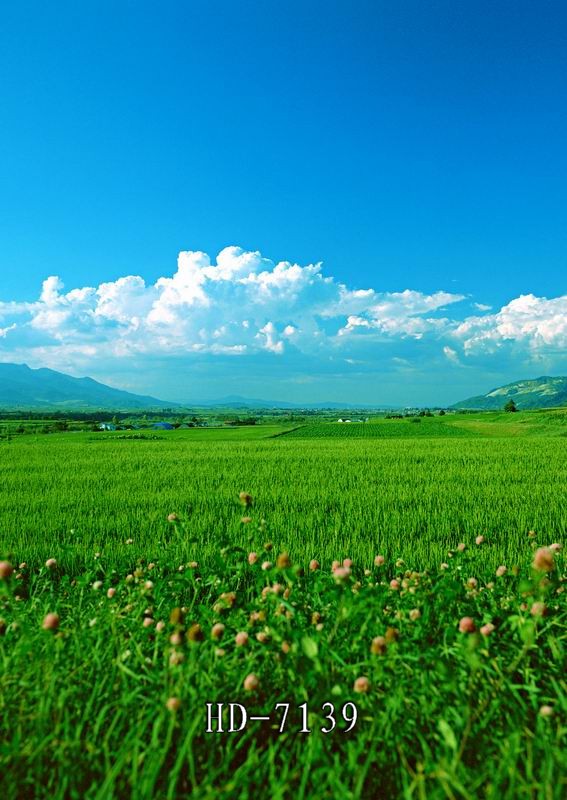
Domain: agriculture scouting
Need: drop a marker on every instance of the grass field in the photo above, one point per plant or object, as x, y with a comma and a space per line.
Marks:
321, 491
407, 428
108, 700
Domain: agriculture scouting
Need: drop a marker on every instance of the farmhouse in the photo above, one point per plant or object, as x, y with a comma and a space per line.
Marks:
163, 426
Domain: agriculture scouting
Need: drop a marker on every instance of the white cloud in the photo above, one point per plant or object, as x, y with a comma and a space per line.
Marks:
5, 331
400, 314
534, 324
269, 336
451, 355
125, 301
244, 304
50, 290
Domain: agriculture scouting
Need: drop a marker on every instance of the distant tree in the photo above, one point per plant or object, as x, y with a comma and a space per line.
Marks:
510, 407
442, 413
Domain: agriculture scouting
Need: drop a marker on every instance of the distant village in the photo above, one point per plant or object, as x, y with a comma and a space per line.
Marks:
22, 422
163, 425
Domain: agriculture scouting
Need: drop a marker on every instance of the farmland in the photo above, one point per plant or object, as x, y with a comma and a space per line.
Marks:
107, 699
319, 488
387, 429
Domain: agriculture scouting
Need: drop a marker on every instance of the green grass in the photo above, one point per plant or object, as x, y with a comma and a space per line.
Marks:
447, 714
444, 713
386, 428
546, 423
72, 494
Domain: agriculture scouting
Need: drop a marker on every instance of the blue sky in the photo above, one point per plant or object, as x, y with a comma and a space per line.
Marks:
405, 146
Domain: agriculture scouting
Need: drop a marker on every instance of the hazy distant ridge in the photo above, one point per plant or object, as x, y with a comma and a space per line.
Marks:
237, 401
33, 389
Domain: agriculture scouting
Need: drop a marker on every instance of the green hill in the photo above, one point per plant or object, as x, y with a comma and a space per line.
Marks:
544, 392
25, 388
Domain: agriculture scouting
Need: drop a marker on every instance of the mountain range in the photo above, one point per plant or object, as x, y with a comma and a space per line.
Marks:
544, 392
237, 401
36, 389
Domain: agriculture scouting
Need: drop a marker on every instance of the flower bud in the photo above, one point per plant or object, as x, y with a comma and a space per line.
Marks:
543, 560
251, 683
361, 685
50, 622
466, 625
6, 569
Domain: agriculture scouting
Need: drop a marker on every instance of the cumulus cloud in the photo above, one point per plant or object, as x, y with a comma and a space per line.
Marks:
534, 324
401, 314
243, 304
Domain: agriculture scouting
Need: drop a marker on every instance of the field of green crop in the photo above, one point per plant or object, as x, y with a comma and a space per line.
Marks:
411, 427
435, 610
325, 495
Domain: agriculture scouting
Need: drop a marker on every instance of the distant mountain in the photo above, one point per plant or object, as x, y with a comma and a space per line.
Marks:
237, 401
37, 389
544, 392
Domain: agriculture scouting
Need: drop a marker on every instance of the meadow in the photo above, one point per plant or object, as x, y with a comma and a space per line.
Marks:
322, 490
411, 569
